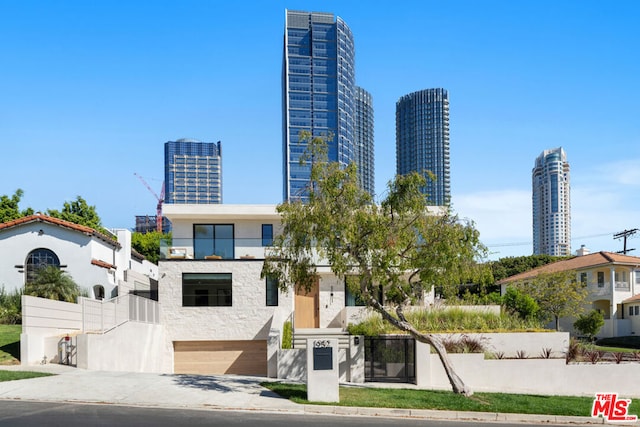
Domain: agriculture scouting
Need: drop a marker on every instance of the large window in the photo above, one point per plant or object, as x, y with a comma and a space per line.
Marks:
37, 259
272, 292
211, 240
206, 289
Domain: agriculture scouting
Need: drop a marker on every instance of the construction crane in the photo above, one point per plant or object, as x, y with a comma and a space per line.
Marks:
160, 200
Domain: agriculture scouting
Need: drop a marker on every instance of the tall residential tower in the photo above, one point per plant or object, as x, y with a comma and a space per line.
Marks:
319, 93
422, 140
551, 204
364, 140
192, 172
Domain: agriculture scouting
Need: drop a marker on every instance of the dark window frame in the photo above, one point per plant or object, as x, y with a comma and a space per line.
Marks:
214, 226
272, 292
267, 234
37, 259
218, 292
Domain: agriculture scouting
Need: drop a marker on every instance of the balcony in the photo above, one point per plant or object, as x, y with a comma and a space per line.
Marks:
213, 249
604, 289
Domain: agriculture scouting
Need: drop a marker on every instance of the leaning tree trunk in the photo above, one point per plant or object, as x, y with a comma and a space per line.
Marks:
458, 386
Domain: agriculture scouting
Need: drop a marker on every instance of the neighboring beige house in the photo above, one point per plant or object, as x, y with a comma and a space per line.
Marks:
217, 311
613, 282
104, 265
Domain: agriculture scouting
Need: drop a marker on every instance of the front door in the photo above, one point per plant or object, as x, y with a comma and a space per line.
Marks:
307, 307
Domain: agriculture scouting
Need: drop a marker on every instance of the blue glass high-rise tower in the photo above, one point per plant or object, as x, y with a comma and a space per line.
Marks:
192, 172
318, 85
364, 140
422, 140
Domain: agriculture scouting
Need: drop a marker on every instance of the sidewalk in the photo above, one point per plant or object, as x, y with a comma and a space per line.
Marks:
210, 392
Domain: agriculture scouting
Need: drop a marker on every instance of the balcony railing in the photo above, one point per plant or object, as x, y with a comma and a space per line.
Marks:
213, 249
604, 289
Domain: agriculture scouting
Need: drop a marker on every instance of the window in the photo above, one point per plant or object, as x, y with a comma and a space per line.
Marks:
206, 289
600, 279
583, 279
98, 292
267, 234
637, 310
37, 259
272, 291
213, 239
631, 311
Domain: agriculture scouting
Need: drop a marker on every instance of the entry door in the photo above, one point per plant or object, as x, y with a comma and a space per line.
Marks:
307, 307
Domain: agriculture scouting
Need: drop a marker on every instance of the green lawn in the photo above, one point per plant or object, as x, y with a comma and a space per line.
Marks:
10, 344
444, 400
20, 375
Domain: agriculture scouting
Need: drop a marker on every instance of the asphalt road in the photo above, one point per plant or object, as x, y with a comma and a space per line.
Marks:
23, 413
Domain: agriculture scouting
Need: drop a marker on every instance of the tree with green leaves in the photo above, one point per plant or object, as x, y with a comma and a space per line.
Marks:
396, 249
558, 294
79, 212
9, 207
148, 244
52, 283
590, 324
517, 302
510, 266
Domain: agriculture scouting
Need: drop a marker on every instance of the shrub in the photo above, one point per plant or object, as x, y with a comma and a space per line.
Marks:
573, 350
589, 324
618, 356
546, 353
517, 302
287, 335
593, 356
521, 354
10, 307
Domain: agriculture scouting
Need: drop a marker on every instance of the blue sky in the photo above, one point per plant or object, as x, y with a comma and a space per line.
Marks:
90, 92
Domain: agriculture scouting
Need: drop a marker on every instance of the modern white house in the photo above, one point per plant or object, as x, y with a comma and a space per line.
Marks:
613, 282
217, 311
104, 265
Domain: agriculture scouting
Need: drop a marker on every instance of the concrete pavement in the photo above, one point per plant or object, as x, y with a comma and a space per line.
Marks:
228, 392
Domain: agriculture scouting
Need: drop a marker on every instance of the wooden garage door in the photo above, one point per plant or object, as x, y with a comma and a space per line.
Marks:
220, 357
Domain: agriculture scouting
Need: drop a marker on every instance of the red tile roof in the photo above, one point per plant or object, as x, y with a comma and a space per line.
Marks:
60, 223
576, 263
102, 264
635, 298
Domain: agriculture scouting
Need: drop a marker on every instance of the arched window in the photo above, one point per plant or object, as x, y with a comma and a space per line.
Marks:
39, 258
98, 292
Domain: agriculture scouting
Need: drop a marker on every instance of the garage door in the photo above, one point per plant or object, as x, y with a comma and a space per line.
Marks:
220, 357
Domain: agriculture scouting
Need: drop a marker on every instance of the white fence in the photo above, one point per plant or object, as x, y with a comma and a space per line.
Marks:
102, 316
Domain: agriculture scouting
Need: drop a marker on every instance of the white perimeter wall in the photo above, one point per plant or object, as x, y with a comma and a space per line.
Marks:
534, 376
132, 347
45, 323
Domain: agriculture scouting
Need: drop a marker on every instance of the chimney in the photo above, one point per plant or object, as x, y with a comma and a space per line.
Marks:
583, 251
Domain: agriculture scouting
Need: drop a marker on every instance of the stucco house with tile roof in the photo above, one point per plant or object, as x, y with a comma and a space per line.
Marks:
104, 265
613, 282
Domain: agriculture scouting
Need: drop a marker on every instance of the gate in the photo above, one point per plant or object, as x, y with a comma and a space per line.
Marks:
390, 359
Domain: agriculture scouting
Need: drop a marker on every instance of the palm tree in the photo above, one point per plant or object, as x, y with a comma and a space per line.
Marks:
52, 283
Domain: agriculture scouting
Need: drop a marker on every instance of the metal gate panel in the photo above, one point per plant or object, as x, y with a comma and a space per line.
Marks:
390, 359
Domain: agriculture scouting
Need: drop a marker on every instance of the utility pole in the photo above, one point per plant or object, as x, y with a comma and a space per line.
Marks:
623, 235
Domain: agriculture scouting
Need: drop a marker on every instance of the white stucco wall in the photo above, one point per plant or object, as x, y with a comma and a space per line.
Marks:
132, 347
247, 319
75, 250
535, 376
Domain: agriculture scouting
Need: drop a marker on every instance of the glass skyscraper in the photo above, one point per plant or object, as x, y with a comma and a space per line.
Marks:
364, 140
551, 204
422, 140
319, 93
192, 172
